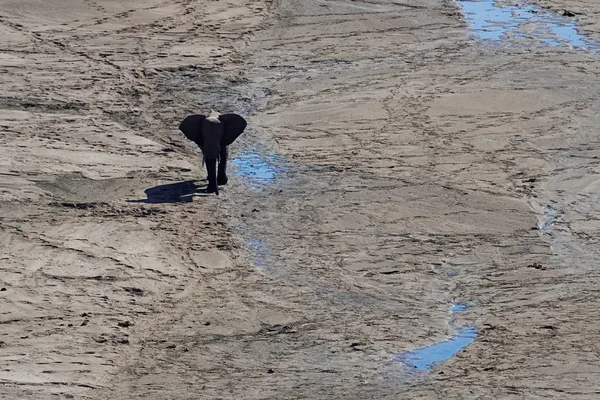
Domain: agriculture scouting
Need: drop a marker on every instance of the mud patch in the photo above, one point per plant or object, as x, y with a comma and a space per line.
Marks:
426, 358
80, 189
106, 210
498, 21
42, 105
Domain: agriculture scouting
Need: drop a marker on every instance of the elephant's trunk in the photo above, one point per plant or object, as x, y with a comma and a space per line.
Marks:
211, 171
219, 158
212, 135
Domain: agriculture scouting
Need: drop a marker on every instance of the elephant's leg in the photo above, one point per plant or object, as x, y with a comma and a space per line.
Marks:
222, 174
211, 170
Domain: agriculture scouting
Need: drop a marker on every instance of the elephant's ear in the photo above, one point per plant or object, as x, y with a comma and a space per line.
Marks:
191, 127
233, 126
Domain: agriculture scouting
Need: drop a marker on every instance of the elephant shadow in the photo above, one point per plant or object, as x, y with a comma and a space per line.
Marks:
179, 192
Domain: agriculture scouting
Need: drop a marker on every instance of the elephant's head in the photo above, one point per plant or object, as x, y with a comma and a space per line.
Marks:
213, 132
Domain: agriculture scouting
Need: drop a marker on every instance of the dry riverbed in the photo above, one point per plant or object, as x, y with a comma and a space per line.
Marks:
415, 179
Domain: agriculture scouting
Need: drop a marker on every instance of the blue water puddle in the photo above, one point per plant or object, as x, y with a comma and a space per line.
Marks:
459, 307
496, 20
258, 252
425, 358
258, 169
551, 217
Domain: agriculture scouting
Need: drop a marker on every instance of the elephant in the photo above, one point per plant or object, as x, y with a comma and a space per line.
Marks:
213, 133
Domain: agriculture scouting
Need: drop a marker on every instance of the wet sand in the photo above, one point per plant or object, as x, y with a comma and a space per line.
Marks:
395, 165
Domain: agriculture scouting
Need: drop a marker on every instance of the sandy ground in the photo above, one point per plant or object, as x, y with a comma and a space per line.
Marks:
417, 168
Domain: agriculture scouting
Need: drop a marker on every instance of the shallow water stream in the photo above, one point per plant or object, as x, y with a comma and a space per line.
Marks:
257, 171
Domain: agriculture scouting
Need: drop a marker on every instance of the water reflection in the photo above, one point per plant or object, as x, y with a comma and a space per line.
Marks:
425, 358
258, 252
551, 217
499, 21
458, 307
256, 168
